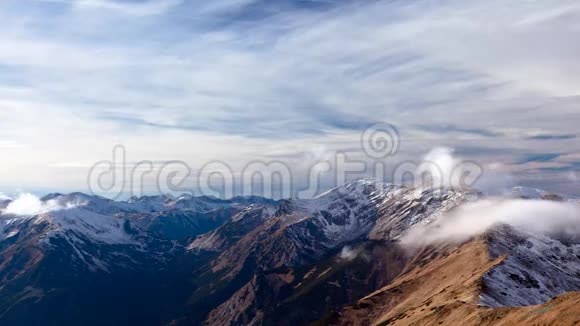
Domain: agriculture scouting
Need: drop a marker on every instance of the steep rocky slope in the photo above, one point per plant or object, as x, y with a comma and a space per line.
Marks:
477, 283
104, 260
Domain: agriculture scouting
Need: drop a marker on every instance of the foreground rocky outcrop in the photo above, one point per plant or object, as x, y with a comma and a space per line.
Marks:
452, 286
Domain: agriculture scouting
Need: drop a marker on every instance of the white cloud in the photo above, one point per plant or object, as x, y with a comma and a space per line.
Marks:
471, 219
9, 144
441, 166
4, 196
348, 254
29, 204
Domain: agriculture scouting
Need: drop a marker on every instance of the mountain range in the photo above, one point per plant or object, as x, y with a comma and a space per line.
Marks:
341, 258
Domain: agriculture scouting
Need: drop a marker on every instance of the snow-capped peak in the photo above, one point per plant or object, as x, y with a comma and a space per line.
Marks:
78, 223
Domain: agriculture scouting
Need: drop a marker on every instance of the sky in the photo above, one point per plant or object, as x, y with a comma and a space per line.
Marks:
498, 81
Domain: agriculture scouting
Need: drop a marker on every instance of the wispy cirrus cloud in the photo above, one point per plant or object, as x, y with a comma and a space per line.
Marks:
158, 75
133, 8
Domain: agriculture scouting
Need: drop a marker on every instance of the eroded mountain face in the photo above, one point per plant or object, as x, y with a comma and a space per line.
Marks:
335, 258
449, 289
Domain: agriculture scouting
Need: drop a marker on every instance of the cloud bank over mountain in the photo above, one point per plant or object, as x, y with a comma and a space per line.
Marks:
537, 216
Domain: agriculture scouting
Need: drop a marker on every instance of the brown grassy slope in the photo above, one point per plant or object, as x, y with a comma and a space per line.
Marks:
445, 291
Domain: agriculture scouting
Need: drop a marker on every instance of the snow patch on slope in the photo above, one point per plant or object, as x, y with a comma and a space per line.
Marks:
78, 223
537, 268
341, 214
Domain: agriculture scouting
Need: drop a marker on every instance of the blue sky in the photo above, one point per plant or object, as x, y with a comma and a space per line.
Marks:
238, 80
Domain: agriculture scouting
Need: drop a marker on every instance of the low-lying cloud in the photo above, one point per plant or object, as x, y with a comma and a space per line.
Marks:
29, 204
348, 253
472, 219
